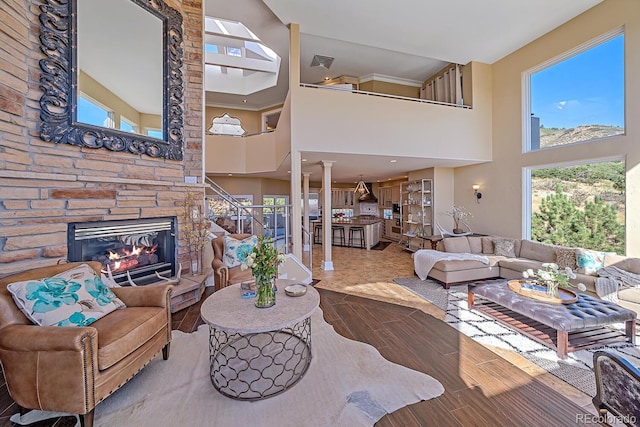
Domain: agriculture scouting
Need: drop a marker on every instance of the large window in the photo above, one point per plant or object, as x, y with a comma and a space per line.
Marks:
578, 96
579, 205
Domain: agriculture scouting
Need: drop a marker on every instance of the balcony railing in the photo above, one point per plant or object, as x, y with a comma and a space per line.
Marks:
384, 95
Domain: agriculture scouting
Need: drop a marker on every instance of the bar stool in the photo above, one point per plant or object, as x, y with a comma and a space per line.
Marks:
339, 229
358, 232
317, 233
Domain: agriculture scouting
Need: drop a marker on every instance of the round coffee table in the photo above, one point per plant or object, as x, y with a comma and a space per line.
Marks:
256, 353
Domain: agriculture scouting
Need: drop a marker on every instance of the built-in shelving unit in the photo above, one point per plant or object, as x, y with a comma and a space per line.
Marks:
416, 217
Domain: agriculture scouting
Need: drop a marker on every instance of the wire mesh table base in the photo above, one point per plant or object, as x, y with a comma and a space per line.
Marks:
259, 365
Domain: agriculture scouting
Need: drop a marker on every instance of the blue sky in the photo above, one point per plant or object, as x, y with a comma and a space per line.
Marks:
587, 89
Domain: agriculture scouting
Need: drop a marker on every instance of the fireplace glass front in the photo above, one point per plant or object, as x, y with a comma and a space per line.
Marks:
128, 248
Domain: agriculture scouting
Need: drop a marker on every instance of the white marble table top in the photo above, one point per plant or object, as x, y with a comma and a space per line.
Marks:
226, 310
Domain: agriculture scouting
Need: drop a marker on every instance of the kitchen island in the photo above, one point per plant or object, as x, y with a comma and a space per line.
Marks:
372, 230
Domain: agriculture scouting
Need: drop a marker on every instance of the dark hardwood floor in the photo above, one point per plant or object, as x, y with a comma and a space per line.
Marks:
481, 388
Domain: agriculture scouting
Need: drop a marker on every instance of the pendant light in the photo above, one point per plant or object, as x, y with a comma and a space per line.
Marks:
361, 187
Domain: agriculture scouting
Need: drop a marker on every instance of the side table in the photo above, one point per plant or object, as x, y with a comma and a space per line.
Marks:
256, 353
188, 291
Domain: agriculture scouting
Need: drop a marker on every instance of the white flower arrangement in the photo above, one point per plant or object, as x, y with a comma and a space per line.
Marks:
552, 276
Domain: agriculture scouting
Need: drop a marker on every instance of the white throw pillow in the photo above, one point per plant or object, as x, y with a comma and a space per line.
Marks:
589, 262
236, 251
76, 297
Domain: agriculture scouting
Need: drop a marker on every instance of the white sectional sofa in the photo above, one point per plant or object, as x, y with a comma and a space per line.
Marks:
509, 258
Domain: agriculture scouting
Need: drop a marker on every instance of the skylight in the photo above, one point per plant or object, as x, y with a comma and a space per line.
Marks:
236, 61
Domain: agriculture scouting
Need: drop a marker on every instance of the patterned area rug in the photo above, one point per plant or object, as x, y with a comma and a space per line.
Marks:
576, 369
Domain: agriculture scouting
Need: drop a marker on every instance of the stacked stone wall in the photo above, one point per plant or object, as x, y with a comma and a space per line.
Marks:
44, 185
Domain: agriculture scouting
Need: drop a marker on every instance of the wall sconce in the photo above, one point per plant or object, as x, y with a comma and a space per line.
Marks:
476, 193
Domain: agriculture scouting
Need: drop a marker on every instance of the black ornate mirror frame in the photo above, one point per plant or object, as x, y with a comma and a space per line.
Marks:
59, 83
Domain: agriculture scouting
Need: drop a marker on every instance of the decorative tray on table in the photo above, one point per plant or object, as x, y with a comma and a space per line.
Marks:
296, 290
537, 291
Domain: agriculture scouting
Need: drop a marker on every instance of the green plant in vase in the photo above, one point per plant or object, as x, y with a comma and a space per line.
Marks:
263, 261
553, 277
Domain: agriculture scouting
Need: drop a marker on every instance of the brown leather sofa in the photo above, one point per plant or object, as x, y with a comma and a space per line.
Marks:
72, 369
222, 275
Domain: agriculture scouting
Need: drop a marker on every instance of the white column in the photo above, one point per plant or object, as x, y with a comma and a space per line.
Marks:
305, 217
327, 264
296, 209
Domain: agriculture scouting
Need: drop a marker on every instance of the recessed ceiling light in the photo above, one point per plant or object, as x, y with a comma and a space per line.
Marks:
392, 161
230, 174
288, 171
304, 160
244, 101
327, 78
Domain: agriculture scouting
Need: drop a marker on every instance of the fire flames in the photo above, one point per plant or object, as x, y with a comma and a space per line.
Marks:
127, 258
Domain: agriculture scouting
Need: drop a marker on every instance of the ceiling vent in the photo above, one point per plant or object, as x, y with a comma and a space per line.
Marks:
322, 61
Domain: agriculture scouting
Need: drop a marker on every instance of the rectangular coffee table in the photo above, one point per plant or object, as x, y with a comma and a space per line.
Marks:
562, 327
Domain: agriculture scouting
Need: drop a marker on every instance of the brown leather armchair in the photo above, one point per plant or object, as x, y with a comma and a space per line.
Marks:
72, 369
224, 276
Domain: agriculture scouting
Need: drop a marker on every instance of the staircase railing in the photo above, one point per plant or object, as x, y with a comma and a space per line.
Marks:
309, 235
232, 216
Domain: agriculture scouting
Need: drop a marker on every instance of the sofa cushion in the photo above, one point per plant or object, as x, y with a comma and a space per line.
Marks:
566, 257
520, 264
630, 295
589, 262
631, 265
236, 251
124, 331
457, 245
505, 247
460, 265
538, 251
475, 244
487, 245
76, 297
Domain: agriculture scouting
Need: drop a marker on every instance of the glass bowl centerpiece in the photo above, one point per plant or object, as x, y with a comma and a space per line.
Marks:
263, 261
552, 277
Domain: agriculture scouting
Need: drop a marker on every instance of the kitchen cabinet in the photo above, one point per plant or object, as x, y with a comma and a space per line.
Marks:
395, 194
384, 197
342, 198
416, 216
392, 229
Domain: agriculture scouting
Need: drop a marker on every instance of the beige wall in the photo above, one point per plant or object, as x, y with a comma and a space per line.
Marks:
375, 125
500, 211
251, 120
390, 88
257, 187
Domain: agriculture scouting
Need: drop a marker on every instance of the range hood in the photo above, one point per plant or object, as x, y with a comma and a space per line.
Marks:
368, 197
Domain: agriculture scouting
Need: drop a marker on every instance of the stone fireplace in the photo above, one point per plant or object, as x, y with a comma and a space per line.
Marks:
139, 248
46, 185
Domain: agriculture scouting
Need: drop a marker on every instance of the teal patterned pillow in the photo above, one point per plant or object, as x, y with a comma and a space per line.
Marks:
589, 262
76, 297
236, 251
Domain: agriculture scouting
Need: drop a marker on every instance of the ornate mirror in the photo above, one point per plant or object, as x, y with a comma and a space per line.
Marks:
112, 75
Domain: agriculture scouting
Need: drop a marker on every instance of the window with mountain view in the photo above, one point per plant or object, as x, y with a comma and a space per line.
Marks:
580, 205
579, 96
